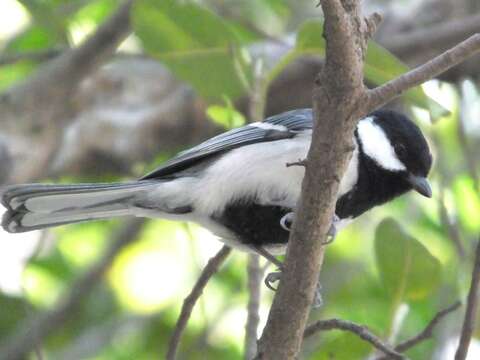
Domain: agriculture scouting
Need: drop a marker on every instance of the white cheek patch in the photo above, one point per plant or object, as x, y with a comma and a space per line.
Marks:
377, 146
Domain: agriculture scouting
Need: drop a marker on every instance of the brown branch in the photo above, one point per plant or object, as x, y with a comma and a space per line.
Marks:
471, 311
386, 92
439, 36
339, 86
188, 304
42, 103
339, 100
63, 73
426, 333
34, 331
359, 330
255, 274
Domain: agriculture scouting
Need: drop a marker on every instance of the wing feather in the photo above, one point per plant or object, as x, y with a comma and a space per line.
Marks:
278, 127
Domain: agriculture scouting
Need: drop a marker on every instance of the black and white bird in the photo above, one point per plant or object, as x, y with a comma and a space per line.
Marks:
237, 184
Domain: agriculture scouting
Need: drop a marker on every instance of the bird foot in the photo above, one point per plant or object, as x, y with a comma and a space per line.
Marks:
273, 277
332, 231
287, 220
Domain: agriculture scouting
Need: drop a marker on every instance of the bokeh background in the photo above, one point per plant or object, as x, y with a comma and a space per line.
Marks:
180, 72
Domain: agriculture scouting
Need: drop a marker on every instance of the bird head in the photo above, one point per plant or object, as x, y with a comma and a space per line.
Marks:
397, 145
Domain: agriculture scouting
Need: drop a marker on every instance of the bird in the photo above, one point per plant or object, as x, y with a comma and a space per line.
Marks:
238, 185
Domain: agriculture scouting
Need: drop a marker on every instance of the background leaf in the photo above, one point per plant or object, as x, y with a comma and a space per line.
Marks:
407, 269
195, 44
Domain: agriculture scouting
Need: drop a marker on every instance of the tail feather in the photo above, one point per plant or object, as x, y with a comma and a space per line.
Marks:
37, 206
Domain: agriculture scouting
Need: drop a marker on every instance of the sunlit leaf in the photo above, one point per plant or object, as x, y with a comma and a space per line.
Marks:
198, 46
407, 269
226, 116
468, 202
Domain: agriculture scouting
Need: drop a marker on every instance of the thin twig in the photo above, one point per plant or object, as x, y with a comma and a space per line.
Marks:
299, 162
426, 333
188, 304
386, 92
255, 274
20, 343
470, 313
359, 330
438, 36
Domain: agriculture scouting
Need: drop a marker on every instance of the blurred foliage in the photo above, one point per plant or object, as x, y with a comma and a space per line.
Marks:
392, 277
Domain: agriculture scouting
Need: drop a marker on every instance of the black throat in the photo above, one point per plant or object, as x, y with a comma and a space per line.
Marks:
375, 186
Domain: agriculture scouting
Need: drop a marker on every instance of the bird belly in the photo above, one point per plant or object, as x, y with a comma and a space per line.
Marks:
255, 225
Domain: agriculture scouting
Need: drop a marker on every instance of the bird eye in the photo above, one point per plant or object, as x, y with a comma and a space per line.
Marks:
400, 150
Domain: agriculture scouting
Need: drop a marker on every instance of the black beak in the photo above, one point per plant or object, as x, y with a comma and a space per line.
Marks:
420, 185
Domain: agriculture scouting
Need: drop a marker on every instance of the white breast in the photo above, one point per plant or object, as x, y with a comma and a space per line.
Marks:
260, 171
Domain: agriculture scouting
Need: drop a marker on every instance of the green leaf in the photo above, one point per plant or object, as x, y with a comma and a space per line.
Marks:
198, 46
226, 116
341, 345
409, 272
13, 312
380, 65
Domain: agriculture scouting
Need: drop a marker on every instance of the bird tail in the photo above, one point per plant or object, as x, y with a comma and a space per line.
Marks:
38, 206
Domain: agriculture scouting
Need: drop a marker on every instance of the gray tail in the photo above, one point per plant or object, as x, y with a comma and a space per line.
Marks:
38, 206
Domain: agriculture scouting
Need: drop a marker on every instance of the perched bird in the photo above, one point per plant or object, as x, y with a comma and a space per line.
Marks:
237, 184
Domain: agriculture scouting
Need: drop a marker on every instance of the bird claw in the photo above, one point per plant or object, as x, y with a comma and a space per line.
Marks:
332, 231
317, 296
272, 278
277, 275
287, 220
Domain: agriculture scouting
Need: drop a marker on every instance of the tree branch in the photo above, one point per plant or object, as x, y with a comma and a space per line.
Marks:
55, 80
42, 103
34, 331
188, 304
339, 86
255, 274
438, 36
471, 311
426, 333
386, 92
359, 330
339, 101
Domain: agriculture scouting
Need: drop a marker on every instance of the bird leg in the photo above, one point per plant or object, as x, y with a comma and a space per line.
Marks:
277, 275
332, 231
287, 220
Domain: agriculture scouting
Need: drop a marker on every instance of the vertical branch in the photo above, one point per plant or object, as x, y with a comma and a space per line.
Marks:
189, 303
255, 274
339, 88
471, 311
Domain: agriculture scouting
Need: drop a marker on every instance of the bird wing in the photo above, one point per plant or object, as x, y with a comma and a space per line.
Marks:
278, 127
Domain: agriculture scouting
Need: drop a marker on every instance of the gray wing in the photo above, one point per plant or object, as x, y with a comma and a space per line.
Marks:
278, 127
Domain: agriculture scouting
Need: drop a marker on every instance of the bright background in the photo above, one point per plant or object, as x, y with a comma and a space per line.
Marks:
132, 311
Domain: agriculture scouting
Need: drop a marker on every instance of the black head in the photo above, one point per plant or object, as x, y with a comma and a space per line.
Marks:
397, 146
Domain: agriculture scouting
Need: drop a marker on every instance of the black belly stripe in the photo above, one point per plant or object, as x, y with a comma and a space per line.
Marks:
255, 224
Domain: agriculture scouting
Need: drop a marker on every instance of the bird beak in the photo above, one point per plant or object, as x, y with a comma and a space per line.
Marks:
420, 184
